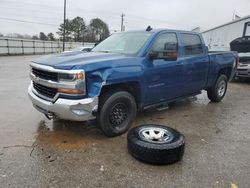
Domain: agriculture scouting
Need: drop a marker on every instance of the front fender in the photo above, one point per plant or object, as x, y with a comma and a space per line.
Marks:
111, 76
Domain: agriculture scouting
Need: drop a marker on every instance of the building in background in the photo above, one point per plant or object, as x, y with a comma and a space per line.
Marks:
219, 38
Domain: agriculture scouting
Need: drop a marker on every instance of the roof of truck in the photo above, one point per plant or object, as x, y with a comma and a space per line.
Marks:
161, 30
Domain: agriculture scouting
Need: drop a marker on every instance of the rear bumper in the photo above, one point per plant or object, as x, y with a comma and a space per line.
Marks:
75, 110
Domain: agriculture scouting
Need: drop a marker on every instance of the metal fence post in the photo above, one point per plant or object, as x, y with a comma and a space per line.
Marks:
51, 45
22, 47
59, 48
44, 47
8, 46
34, 51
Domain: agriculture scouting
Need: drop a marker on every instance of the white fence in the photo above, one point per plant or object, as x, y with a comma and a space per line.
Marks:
11, 46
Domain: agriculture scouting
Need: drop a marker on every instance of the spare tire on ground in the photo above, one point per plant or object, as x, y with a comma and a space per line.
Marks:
156, 144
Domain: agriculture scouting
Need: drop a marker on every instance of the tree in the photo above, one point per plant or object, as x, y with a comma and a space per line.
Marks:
77, 27
51, 36
68, 30
35, 37
42, 36
1, 35
77, 30
100, 28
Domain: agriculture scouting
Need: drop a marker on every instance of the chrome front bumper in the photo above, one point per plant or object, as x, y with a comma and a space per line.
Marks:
243, 71
75, 110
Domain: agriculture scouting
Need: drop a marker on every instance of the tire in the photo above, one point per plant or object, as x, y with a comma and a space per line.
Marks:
218, 91
117, 110
154, 151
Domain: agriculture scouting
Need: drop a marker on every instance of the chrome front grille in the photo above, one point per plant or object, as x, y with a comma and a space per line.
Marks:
48, 82
46, 75
45, 91
245, 60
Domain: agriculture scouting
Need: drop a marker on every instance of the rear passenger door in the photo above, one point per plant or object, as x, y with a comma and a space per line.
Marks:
195, 63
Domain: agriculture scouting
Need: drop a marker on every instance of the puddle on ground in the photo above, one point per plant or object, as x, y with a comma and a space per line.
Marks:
68, 135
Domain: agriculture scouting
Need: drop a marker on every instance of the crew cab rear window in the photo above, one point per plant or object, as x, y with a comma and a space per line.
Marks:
192, 44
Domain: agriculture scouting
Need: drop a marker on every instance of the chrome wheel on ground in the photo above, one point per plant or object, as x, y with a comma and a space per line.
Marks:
156, 144
155, 135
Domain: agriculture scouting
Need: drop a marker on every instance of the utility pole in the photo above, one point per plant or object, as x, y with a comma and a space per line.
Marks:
122, 21
64, 20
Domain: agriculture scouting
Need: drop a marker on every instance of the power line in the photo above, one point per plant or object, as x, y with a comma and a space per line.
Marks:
26, 21
34, 17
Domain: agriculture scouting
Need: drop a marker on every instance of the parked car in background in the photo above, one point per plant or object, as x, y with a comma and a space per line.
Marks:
127, 72
242, 46
79, 49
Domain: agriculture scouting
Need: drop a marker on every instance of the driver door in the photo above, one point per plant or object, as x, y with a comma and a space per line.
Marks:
164, 78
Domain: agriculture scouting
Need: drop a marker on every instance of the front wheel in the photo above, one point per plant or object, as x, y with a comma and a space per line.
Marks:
117, 110
218, 91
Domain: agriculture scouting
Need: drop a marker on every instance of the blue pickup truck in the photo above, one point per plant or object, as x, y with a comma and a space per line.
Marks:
128, 72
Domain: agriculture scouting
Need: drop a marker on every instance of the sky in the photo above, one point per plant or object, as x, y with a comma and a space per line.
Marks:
174, 14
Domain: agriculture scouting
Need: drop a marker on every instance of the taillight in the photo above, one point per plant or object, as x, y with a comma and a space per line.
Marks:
237, 62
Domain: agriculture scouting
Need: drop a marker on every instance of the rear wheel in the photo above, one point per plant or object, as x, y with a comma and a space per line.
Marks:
117, 110
218, 91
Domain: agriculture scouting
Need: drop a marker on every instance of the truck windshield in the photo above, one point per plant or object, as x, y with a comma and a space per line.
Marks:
124, 43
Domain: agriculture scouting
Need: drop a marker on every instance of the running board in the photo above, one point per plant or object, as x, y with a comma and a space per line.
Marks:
164, 105
159, 106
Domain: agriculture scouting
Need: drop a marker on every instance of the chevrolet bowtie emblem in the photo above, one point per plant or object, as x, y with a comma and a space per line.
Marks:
37, 79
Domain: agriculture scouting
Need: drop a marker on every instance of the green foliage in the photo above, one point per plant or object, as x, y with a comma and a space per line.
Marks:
42, 36
67, 30
51, 37
35, 37
76, 30
100, 28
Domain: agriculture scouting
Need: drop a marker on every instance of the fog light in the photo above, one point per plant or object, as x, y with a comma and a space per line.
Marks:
79, 112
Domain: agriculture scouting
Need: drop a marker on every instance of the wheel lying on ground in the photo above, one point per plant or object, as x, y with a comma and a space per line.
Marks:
156, 144
117, 110
218, 91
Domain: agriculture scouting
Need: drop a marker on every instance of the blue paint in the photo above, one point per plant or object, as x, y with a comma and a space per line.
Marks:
156, 79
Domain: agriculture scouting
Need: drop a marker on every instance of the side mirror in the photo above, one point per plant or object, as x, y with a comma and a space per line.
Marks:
152, 54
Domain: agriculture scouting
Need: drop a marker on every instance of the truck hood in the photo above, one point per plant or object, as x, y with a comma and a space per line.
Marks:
69, 60
241, 44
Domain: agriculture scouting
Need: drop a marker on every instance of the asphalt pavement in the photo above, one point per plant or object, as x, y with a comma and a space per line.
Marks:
36, 152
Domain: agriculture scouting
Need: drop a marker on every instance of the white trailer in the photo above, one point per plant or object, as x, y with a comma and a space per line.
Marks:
219, 38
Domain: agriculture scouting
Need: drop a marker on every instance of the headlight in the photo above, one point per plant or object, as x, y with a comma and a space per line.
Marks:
78, 80
71, 77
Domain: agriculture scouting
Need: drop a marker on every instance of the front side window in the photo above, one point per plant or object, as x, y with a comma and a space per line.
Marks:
163, 42
124, 43
192, 44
